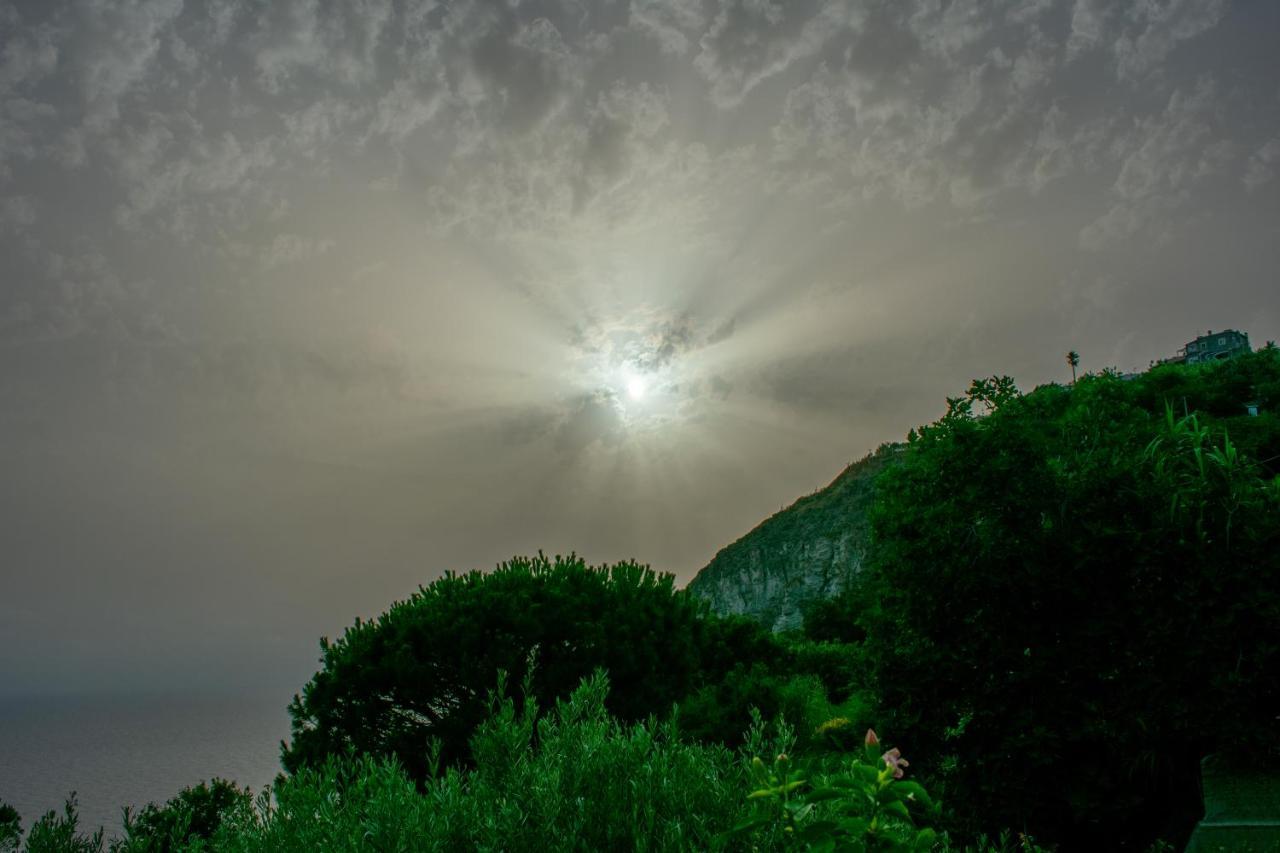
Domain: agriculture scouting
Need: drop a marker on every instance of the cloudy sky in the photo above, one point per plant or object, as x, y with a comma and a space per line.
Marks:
303, 303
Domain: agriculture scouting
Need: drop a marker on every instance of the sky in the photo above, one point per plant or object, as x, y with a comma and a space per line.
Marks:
304, 303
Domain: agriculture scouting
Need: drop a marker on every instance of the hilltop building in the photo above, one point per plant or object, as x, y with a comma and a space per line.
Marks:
1212, 347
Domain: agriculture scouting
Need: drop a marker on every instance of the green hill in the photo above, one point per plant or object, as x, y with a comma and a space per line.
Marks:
806, 552
810, 550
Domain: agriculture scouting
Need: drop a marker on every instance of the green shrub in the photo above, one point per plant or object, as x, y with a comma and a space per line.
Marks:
195, 813
571, 779
715, 713
60, 833
421, 670
10, 828
840, 666
861, 803
575, 779
1079, 589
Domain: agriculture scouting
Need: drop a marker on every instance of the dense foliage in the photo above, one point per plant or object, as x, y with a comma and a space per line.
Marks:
195, 813
1080, 586
776, 553
60, 833
422, 670
790, 688
571, 779
10, 827
1070, 600
574, 779
863, 805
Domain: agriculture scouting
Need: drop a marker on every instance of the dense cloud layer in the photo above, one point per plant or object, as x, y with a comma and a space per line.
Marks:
303, 303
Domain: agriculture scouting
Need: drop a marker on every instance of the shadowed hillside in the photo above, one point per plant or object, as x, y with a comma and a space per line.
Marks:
803, 553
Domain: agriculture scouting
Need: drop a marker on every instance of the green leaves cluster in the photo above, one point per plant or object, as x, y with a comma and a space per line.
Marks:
862, 804
1079, 586
422, 669
571, 779
568, 778
53, 832
1071, 597
195, 813
10, 828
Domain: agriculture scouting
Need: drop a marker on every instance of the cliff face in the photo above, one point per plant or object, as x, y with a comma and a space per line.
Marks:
806, 552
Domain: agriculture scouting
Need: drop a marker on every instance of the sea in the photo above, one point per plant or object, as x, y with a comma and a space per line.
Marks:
114, 750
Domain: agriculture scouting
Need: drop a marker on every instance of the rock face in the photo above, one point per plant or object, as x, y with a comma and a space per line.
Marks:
806, 552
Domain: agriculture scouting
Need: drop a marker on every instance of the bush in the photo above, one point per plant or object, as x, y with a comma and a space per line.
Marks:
1080, 589
10, 828
863, 804
195, 813
841, 667
60, 833
576, 779
421, 670
715, 713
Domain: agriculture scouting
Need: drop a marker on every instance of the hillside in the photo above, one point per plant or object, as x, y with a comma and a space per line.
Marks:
803, 553
811, 549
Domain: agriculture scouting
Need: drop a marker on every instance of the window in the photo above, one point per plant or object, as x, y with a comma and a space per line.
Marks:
1222, 342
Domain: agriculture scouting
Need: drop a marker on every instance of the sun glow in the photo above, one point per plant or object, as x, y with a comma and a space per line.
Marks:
636, 388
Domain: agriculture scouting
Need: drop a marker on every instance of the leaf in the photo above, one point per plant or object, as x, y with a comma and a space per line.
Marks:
750, 824
914, 791
802, 811
817, 832
822, 795
897, 807
855, 827
865, 774
853, 809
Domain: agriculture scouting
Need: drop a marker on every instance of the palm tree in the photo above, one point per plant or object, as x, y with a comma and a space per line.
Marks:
1073, 359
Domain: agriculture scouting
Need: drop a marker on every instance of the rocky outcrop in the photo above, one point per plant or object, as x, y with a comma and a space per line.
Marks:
806, 552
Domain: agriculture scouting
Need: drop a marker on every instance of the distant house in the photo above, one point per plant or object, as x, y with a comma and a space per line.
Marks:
1213, 346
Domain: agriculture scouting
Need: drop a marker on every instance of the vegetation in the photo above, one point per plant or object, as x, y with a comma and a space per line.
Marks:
1069, 601
195, 814
10, 828
572, 779
1081, 586
837, 514
422, 669
863, 805
60, 833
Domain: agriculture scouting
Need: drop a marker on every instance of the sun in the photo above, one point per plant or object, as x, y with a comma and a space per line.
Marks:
636, 388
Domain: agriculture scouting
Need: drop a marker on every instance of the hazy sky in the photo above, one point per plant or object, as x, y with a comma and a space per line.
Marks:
303, 303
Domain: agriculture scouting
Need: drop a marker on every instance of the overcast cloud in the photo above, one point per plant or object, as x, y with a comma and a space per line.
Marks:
304, 303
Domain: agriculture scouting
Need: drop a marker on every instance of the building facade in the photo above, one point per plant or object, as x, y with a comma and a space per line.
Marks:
1214, 346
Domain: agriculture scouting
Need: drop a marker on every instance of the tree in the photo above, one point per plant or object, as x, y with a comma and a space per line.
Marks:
10, 828
60, 833
423, 669
196, 812
1073, 359
1081, 588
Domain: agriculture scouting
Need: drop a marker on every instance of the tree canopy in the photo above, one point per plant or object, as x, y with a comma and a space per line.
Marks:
1081, 587
422, 670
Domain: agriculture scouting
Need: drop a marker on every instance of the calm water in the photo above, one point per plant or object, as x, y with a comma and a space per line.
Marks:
130, 750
